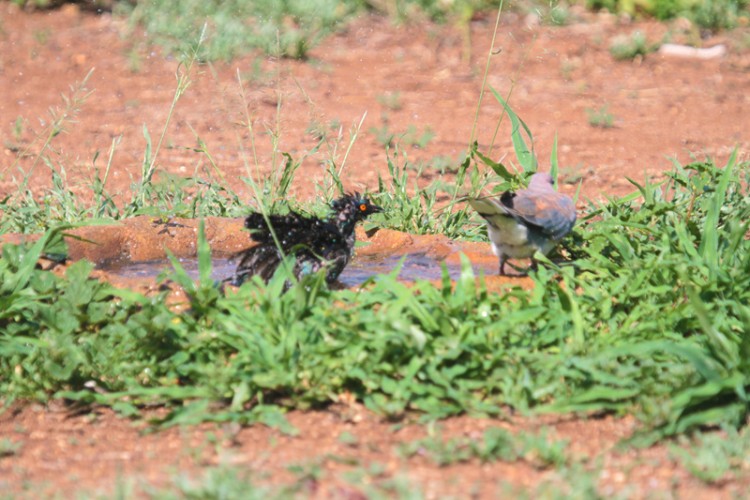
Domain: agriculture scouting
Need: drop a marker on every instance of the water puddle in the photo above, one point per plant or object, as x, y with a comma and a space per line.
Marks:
150, 269
416, 266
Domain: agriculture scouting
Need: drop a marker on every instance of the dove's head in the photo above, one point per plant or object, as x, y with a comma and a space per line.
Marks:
541, 181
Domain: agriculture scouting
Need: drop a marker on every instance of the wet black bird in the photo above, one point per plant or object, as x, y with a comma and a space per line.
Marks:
315, 243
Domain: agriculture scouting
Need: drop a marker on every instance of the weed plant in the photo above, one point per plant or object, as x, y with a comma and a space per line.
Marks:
648, 316
712, 15
600, 118
496, 444
277, 28
713, 457
282, 29
625, 47
410, 137
293, 28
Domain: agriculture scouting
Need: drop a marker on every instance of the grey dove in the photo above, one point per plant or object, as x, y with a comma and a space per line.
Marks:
523, 222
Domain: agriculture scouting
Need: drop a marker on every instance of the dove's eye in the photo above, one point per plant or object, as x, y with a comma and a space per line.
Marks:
363, 207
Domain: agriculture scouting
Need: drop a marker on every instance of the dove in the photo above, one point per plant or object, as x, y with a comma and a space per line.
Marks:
527, 221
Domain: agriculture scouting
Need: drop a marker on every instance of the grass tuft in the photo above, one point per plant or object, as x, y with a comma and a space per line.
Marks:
647, 314
648, 318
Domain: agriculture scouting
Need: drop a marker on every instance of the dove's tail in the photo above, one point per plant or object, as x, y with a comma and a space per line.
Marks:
488, 207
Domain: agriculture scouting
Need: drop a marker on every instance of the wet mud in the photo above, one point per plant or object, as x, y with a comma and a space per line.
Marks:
134, 253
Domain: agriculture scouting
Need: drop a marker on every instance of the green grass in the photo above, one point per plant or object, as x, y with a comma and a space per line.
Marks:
625, 47
410, 137
708, 15
496, 444
714, 457
391, 100
368, 481
293, 28
372, 480
231, 482
220, 482
9, 447
278, 28
648, 318
600, 118
283, 29
648, 315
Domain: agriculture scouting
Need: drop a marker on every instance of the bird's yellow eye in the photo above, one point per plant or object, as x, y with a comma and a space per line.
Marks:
363, 207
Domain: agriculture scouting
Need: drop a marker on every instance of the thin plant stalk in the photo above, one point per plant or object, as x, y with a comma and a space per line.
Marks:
352, 139
249, 125
183, 82
490, 53
254, 186
79, 94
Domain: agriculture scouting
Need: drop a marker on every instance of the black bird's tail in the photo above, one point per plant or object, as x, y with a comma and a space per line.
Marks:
261, 260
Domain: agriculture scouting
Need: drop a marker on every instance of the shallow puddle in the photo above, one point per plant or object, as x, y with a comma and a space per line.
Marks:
415, 266
132, 253
220, 269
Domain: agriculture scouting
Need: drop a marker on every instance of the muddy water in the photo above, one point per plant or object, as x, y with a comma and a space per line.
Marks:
133, 252
151, 269
413, 267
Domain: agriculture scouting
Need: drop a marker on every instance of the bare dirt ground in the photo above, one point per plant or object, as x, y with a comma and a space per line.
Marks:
415, 75
63, 453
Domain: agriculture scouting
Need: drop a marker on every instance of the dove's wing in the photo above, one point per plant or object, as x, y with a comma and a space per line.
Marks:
552, 212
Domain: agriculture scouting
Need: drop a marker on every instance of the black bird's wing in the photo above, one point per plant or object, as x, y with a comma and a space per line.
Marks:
290, 229
293, 229
312, 241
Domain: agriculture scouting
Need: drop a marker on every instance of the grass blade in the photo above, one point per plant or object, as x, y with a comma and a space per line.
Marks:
524, 153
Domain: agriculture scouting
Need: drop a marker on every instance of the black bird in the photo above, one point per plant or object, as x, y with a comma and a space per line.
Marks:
315, 243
